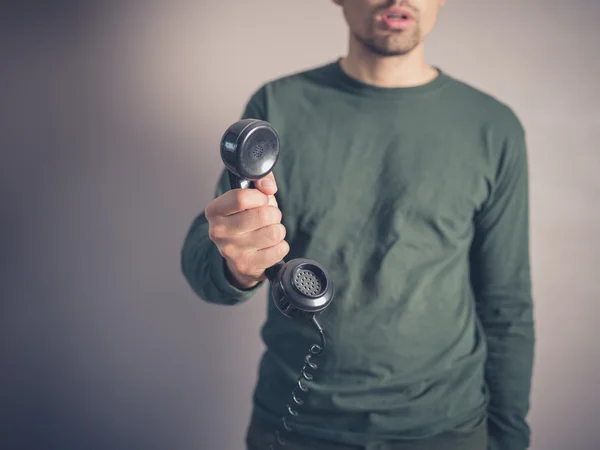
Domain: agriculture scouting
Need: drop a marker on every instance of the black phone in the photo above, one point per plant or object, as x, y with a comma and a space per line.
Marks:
301, 287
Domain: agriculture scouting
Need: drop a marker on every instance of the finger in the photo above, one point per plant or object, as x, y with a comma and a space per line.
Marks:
266, 257
262, 238
251, 219
267, 185
236, 200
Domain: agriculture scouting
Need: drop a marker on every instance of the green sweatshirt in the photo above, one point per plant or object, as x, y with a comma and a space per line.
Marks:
416, 201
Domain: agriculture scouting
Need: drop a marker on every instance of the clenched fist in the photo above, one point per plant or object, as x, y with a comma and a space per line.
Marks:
245, 225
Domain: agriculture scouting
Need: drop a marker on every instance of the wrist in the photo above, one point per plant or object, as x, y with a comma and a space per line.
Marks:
237, 280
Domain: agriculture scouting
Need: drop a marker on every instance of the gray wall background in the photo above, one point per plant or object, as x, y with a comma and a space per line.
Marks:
110, 117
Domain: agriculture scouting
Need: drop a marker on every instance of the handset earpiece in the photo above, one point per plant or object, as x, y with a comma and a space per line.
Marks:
300, 287
249, 150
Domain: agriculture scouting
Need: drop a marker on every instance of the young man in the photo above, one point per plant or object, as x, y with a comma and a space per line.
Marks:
411, 187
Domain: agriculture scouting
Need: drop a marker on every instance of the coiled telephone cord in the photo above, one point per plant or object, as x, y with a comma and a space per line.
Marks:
305, 375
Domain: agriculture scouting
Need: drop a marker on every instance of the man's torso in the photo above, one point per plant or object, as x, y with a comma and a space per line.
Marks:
381, 188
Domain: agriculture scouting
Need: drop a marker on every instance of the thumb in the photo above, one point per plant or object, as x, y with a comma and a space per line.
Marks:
267, 185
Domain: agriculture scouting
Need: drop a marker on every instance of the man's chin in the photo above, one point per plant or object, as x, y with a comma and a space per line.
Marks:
386, 46
390, 50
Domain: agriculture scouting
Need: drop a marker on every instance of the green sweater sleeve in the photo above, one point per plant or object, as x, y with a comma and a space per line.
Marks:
502, 287
201, 263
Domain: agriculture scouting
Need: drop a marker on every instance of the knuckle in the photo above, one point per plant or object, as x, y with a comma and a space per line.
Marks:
241, 265
239, 199
216, 232
283, 249
211, 234
209, 210
274, 233
282, 231
214, 207
228, 251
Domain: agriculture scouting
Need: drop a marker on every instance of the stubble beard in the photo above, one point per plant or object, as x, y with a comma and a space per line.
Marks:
395, 44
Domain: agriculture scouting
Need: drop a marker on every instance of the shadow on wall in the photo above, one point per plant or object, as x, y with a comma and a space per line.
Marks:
106, 345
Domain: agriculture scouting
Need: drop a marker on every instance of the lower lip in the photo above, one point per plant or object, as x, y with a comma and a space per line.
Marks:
396, 24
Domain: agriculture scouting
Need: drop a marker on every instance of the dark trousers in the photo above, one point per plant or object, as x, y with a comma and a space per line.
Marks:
260, 436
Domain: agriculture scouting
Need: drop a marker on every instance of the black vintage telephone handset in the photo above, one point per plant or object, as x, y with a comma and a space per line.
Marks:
300, 288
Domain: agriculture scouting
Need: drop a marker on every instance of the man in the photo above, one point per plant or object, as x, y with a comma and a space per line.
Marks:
411, 187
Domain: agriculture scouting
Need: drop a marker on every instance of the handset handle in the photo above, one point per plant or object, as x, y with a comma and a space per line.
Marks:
239, 183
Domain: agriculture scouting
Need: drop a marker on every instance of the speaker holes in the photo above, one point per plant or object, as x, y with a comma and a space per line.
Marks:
258, 150
308, 282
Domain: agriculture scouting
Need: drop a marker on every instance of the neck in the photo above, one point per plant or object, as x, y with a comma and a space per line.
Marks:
405, 70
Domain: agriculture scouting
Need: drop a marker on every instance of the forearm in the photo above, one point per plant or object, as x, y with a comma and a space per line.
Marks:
508, 324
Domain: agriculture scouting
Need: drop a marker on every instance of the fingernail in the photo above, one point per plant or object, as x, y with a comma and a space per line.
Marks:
267, 182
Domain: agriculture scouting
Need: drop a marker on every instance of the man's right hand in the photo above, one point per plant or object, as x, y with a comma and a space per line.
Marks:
245, 225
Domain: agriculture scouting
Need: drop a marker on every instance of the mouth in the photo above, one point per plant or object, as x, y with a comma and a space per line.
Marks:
396, 18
